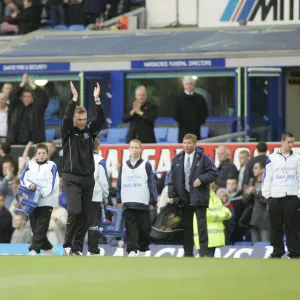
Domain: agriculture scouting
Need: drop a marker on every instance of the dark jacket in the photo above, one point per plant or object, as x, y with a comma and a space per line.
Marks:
142, 127
202, 168
227, 169
260, 215
249, 167
151, 186
5, 226
78, 146
190, 113
27, 123
29, 19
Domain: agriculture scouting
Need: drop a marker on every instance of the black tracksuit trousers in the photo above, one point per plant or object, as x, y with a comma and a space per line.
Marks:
285, 217
79, 191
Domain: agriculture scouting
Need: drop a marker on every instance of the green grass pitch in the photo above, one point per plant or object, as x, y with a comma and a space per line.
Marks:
89, 278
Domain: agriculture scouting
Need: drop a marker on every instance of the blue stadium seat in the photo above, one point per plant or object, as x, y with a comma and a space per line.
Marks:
161, 134
50, 134
205, 132
60, 27
261, 244
102, 139
77, 27
242, 244
116, 135
172, 136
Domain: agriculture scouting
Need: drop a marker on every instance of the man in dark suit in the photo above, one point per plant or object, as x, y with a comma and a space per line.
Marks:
191, 174
190, 111
141, 118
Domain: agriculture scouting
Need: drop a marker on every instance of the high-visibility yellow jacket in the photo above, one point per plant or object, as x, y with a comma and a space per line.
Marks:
216, 213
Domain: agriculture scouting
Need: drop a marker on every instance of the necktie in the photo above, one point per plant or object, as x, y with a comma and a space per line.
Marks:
187, 172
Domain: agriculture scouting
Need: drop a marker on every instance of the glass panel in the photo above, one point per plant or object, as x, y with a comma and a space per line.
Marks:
259, 101
218, 92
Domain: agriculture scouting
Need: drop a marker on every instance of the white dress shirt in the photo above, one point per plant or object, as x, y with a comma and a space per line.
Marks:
191, 156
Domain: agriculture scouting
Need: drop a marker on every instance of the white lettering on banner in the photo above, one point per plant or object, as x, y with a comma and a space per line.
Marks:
155, 64
178, 63
165, 251
259, 12
200, 63
27, 67
146, 154
164, 163
161, 156
240, 252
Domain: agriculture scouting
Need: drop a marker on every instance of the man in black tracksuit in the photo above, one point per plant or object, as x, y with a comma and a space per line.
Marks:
78, 167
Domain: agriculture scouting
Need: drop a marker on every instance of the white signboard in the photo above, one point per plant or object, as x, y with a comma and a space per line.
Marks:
255, 12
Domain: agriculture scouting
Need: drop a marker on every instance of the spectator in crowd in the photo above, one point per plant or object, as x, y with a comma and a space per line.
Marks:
136, 193
57, 225
3, 117
57, 13
192, 172
216, 214
244, 157
229, 224
260, 221
8, 172
5, 222
262, 149
27, 114
190, 110
92, 10
24, 159
14, 197
226, 169
53, 109
5, 156
21, 234
62, 195
124, 7
54, 156
75, 12
141, 117
28, 19
6, 89
235, 197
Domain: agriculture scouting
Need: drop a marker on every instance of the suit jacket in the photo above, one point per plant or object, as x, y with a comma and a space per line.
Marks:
203, 168
142, 127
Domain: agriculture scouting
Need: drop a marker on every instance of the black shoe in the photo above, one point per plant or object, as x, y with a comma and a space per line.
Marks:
75, 253
276, 257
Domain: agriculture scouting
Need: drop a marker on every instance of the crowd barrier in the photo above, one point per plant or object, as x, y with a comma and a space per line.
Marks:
155, 251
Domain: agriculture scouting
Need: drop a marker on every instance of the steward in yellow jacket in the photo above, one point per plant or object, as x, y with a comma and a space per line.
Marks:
216, 213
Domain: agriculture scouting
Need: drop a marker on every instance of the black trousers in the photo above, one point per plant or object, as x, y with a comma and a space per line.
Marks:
79, 192
188, 242
93, 231
285, 217
138, 227
39, 222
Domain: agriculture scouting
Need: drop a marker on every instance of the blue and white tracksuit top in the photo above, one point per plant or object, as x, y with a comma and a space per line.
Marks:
45, 175
136, 188
101, 179
281, 176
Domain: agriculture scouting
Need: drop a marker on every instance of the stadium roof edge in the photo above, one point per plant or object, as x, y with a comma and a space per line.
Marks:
18, 50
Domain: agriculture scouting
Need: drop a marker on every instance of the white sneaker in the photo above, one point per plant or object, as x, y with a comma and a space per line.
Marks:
132, 254
32, 252
94, 254
67, 251
49, 252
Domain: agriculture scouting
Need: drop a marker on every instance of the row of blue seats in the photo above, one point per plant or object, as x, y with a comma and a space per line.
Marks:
64, 27
162, 134
118, 135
